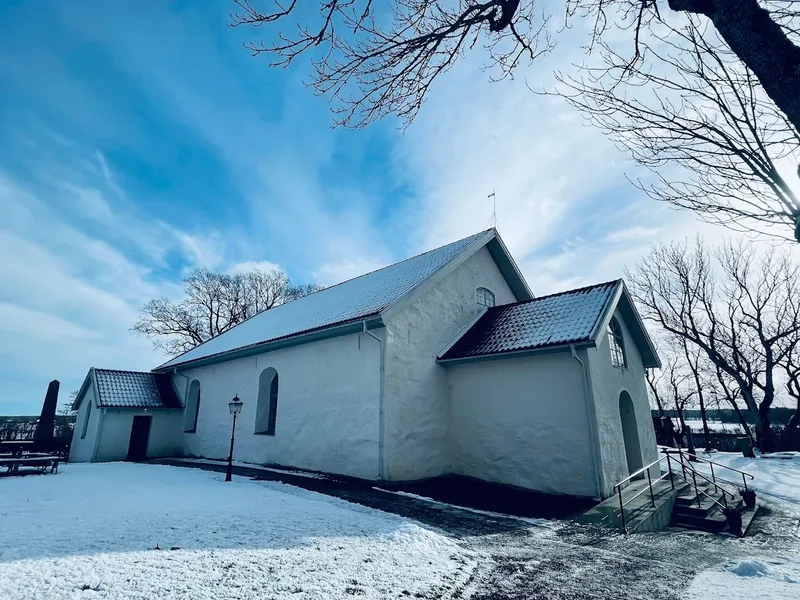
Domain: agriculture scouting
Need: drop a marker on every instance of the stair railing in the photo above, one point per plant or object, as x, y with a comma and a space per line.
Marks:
711, 463
695, 474
620, 485
687, 473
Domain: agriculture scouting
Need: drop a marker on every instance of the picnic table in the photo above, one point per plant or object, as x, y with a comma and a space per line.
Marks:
36, 461
16, 447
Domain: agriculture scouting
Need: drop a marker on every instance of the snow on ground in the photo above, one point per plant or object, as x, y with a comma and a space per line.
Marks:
696, 425
748, 579
91, 531
777, 481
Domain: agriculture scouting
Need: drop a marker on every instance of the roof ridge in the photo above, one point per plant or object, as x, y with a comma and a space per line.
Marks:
556, 294
394, 264
460, 240
124, 371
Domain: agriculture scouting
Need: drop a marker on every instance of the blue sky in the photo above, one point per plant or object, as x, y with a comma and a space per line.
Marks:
140, 140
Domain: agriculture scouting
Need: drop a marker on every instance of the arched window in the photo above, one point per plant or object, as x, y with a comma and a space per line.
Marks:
192, 408
617, 344
86, 420
267, 407
485, 297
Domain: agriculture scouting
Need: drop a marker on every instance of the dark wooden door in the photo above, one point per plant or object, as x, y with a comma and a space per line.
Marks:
140, 433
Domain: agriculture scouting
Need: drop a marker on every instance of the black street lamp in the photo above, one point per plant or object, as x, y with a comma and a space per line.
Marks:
235, 407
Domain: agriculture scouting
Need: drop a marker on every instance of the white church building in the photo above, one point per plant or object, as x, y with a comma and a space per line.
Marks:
444, 363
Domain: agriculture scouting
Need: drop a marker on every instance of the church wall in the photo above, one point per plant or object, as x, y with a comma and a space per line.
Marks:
115, 436
418, 443
524, 422
327, 412
81, 449
608, 383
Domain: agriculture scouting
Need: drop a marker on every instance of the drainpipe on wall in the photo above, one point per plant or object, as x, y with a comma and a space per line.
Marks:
381, 412
591, 416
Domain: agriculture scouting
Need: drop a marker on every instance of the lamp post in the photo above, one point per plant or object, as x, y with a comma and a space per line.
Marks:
235, 407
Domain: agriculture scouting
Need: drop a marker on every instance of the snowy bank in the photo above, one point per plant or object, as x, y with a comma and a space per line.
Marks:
748, 579
92, 532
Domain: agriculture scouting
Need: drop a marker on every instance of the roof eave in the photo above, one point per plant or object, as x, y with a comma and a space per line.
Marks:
647, 349
148, 408
462, 333
82, 390
621, 299
517, 353
373, 322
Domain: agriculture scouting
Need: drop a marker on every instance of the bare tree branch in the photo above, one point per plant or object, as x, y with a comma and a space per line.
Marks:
741, 309
700, 122
212, 304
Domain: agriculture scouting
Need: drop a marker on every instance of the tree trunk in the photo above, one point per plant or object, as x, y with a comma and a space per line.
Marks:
742, 418
760, 43
767, 437
794, 422
704, 416
685, 431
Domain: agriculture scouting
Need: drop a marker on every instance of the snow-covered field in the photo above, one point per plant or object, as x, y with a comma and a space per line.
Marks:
776, 481
696, 426
145, 531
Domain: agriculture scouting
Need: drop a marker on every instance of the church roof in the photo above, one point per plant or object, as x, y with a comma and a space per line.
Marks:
558, 320
349, 302
131, 389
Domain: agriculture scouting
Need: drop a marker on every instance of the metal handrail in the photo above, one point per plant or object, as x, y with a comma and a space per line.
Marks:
712, 481
700, 491
683, 475
636, 474
712, 463
646, 469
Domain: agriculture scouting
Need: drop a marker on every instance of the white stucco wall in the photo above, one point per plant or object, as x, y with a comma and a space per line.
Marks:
115, 434
417, 408
523, 422
327, 417
81, 448
607, 383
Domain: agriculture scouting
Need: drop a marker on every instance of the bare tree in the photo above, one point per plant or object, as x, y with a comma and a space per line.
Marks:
654, 377
791, 366
725, 391
700, 121
375, 60
673, 385
740, 310
212, 304
694, 363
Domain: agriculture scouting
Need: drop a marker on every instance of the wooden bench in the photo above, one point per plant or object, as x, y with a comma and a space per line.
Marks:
41, 462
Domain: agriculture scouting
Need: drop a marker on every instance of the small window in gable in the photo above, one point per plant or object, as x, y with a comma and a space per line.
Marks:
86, 420
267, 405
485, 297
192, 408
617, 344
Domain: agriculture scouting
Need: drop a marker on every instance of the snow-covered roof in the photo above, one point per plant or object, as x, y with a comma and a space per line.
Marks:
566, 318
351, 301
131, 389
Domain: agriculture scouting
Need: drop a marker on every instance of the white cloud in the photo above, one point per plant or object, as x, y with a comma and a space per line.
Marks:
72, 288
564, 206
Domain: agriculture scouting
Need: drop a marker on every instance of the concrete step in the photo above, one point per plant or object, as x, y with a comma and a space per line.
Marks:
713, 522
640, 514
688, 496
706, 506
